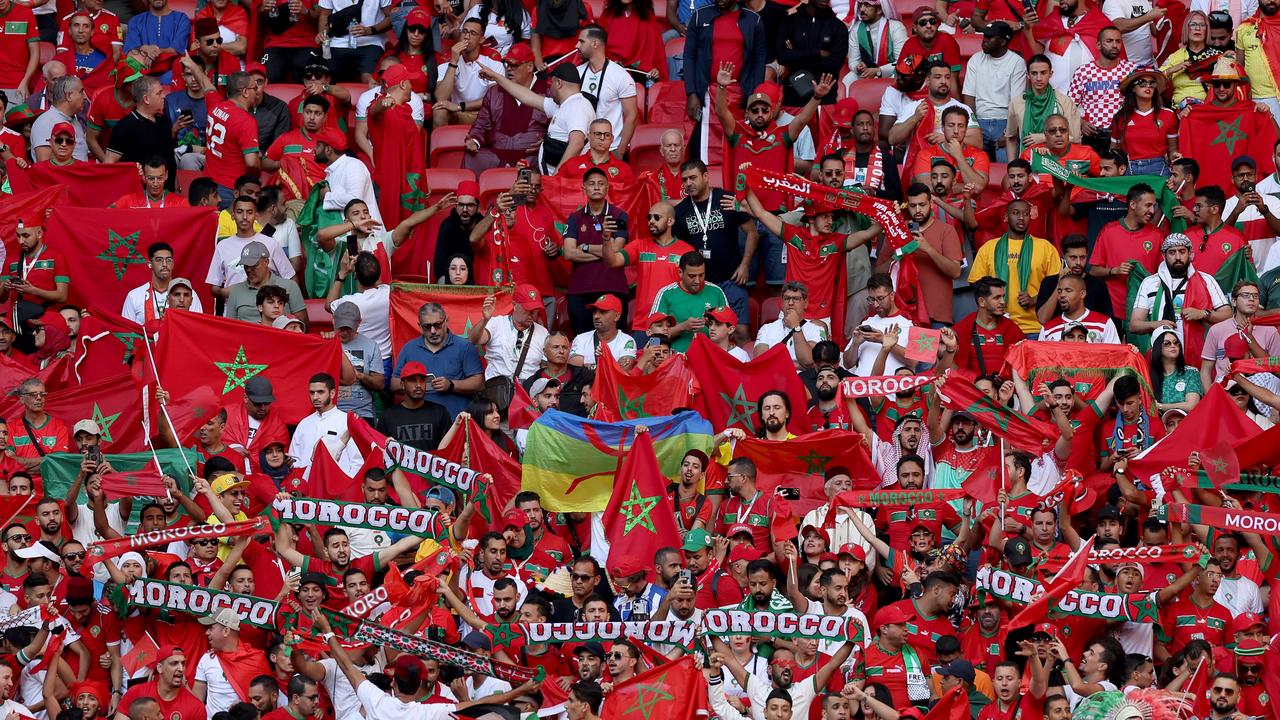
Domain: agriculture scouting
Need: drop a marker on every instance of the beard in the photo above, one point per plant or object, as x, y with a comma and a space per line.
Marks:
826, 394
1178, 269
773, 423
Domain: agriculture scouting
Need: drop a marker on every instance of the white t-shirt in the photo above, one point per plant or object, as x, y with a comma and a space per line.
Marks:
375, 313
501, 354
739, 353
1239, 595
1137, 43
345, 702
468, 85
611, 87
498, 31
287, 235
868, 351
368, 96
803, 148
371, 13
622, 346
829, 647
994, 82
1248, 8
31, 686
135, 303
771, 334
575, 114
225, 269
313, 428
84, 531
1263, 258
219, 695
892, 101
908, 108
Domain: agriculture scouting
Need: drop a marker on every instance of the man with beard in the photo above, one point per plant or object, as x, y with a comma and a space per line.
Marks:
983, 644
834, 602
1075, 254
1095, 88
1071, 300
891, 662
716, 587
722, 24
941, 254
1218, 239
505, 129
1224, 697
655, 258
928, 41
972, 163
908, 84
605, 312
168, 687
993, 78
529, 503
1021, 260
956, 454
1258, 64
584, 578
254, 420
1131, 240
827, 409
337, 547
590, 656
1237, 592
1254, 210
1197, 616
774, 415
454, 236
983, 336
746, 504
508, 594
480, 585
1179, 296
952, 206
1067, 35
867, 339
875, 42
780, 699
622, 662
919, 124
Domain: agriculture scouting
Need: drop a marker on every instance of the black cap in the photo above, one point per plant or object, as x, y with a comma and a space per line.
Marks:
1243, 160
1108, 512
1018, 552
567, 72
591, 648
959, 668
998, 28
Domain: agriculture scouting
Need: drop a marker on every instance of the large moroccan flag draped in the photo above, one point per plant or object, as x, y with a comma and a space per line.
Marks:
571, 461
1215, 136
1021, 431
675, 691
26, 206
730, 388
401, 152
106, 248
622, 396
801, 462
59, 469
461, 305
1214, 421
475, 449
223, 354
109, 344
640, 519
55, 376
1087, 366
1236, 267
87, 184
115, 403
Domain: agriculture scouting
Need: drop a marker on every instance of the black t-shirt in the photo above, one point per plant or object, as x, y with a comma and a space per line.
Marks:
422, 428
453, 239
719, 240
138, 139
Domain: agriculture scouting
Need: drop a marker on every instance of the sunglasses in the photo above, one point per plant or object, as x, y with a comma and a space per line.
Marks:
63, 141
204, 542
19, 538
73, 556
1221, 84
213, 41
1144, 83
580, 577
618, 656
416, 28
432, 326
926, 21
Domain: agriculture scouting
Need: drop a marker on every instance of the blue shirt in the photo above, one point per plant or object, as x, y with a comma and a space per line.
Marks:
172, 31
90, 60
456, 360
177, 101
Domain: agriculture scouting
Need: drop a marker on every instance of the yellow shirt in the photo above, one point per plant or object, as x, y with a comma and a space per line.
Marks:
224, 544
1044, 262
1184, 86
227, 226
1262, 79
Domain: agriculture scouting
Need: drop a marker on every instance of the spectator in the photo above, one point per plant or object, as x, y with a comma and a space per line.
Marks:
355, 33
348, 178
243, 298
361, 227
1075, 255
610, 85
637, 36
155, 180
1095, 89
942, 257
1029, 113
161, 26
605, 314
1032, 259
454, 236
910, 127
218, 65
1076, 157
688, 300
41, 432
875, 41
1194, 48
1260, 68
37, 278
454, 363
288, 154
1254, 210
655, 258
63, 142
415, 48
1218, 241
1131, 241
1161, 300
1137, 22
972, 164
145, 132
928, 42
570, 114
1175, 385
290, 45
513, 343
575, 380
672, 146
555, 29
462, 85
415, 421
790, 322
225, 268
505, 130
505, 22
705, 30
18, 68
233, 24
270, 112
66, 103
1145, 129
1068, 36
994, 78
599, 135
1237, 338
188, 113
149, 301
316, 82
372, 301
79, 52
1098, 328
104, 30
233, 136
589, 229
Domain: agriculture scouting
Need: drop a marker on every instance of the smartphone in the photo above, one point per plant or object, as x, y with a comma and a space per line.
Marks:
913, 226
619, 224
353, 246
94, 454
1248, 187
866, 328
522, 176
654, 340
789, 493
685, 576
186, 113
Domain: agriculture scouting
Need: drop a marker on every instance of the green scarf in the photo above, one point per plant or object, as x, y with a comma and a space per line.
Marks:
1038, 110
1041, 163
1024, 262
321, 267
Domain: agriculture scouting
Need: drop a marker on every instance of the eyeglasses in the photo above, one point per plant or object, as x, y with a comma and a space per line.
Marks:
20, 538
37, 395
213, 41
926, 21
618, 656
468, 204
1220, 84
602, 134
512, 63
432, 326
1144, 83
162, 260
1248, 296
68, 557
63, 141
581, 577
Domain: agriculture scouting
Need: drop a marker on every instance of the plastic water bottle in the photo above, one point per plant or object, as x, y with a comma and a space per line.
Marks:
325, 51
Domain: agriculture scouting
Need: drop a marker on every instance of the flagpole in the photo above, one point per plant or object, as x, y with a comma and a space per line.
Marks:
146, 336
1003, 481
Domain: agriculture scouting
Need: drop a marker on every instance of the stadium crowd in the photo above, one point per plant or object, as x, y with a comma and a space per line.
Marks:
831, 359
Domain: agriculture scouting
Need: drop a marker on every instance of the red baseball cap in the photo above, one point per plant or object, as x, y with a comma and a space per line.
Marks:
891, 615
253, 67
418, 17
413, 368
855, 551
1045, 628
655, 318
723, 314
397, 74
519, 53
1245, 621
743, 552
333, 138
739, 528
843, 111
528, 297
624, 566
63, 128
607, 303
167, 651
514, 518
468, 188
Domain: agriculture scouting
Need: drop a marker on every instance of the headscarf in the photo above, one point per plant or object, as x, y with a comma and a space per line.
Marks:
131, 555
277, 475
57, 336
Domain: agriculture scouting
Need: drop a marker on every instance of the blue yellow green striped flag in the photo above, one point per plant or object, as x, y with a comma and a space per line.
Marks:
570, 461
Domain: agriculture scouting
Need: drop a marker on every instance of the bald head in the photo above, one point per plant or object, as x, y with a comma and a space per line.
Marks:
661, 217
672, 147
53, 70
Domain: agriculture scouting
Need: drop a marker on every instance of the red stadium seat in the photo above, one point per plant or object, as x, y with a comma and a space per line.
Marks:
318, 318
493, 182
46, 52
665, 102
284, 91
646, 147
448, 146
640, 100
184, 179
995, 176
869, 92
908, 8
970, 45
769, 309
753, 315
675, 47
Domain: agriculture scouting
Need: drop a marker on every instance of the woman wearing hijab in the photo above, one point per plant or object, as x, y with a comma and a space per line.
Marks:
52, 338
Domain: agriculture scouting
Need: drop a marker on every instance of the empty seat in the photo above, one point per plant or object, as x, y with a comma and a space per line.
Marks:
448, 146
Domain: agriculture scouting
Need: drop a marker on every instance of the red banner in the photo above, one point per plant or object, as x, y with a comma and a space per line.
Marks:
1021, 431
88, 185
109, 345
882, 385
461, 304
1087, 366
116, 547
731, 389
147, 482
675, 691
622, 396
115, 403
1213, 421
27, 207
803, 461
1214, 136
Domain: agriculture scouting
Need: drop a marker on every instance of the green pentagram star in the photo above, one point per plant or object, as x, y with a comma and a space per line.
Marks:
1144, 612
1001, 418
238, 371
104, 422
815, 464
636, 510
741, 410
924, 343
1229, 133
127, 339
504, 635
648, 696
1220, 465
415, 199
120, 261
631, 408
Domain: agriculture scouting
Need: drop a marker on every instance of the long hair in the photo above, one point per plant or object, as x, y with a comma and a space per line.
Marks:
1157, 364
510, 12
615, 8
1129, 107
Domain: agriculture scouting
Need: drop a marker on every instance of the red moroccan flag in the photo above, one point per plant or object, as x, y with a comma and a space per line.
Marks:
328, 481
1067, 579
106, 249
109, 344
922, 344
400, 151
983, 484
1213, 422
522, 412
1021, 431
88, 185
1087, 366
731, 389
146, 482
1214, 136
12, 506
55, 376
27, 207
196, 350
640, 519
675, 691
461, 304
475, 449
141, 657
1220, 464
802, 461
622, 396
1198, 688
1260, 449
115, 403
188, 412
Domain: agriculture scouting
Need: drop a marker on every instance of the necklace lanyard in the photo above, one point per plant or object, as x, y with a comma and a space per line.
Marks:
703, 220
599, 220
28, 266
746, 513
148, 199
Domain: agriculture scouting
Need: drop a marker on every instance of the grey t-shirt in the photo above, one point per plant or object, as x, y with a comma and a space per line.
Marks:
365, 357
242, 300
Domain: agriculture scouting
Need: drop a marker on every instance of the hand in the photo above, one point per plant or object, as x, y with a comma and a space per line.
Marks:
1006, 392
346, 266
361, 31
1193, 460
693, 108
1179, 211
1124, 268
455, 52
909, 576
715, 663
792, 319
472, 145
654, 75
935, 138
725, 74
741, 275
446, 106
695, 324
199, 485
610, 227
1254, 199
853, 693
1194, 314
321, 622
440, 384
488, 73
170, 484
1030, 18
104, 660
1025, 300
824, 86
506, 203
867, 73
889, 337
949, 340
